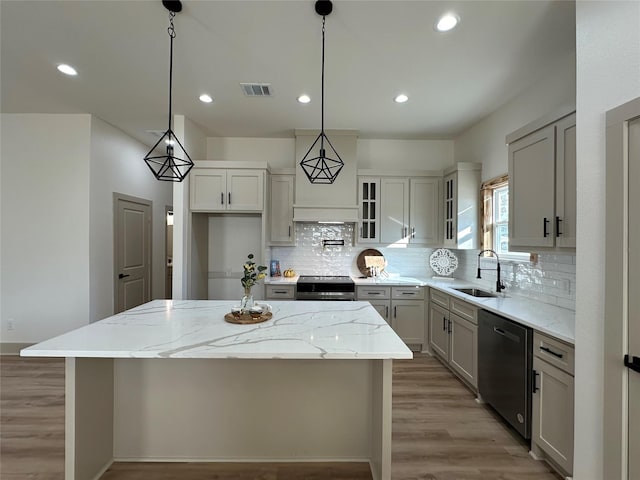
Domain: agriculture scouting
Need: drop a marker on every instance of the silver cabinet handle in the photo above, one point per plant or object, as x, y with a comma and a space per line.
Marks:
289, 230
413, 232
221, 198
386, 311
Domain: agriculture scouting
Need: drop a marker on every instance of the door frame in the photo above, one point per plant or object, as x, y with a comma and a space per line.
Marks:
168, 287
616, 320
142, 201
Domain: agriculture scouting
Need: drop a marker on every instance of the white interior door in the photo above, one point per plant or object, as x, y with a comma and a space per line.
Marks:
622, 304
132, 240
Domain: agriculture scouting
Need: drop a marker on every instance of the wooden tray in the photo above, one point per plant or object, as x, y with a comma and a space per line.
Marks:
369, 252
246, 319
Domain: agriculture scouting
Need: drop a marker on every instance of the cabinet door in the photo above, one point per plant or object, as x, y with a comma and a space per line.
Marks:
532, 190
439, 330
408, 320
424, 211
450, 210
245, 190
464, 349
382, 307
394, 210
369, 204
281, 209
565, 221
208, 189
552, 413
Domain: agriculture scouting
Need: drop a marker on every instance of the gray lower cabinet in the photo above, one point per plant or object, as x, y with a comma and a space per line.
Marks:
453, 334
280, 292
552, 406
402, 307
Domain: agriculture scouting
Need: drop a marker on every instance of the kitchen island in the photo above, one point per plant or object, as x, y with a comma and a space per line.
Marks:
172, 381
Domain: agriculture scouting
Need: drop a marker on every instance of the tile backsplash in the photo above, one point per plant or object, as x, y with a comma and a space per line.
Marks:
552, 280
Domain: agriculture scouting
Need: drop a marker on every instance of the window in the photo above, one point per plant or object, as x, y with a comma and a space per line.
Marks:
495, 216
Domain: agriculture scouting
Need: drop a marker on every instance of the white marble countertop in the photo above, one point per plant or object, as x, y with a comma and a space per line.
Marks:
552, 320
197, 329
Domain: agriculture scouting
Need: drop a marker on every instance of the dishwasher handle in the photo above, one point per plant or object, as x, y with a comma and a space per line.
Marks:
506, 334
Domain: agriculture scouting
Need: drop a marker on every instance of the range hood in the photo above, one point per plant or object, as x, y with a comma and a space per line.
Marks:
325, 213
335, 202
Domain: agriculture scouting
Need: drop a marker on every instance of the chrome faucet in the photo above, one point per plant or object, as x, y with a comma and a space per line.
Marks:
499, 285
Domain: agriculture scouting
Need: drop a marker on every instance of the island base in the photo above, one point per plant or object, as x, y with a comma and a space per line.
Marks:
227, 410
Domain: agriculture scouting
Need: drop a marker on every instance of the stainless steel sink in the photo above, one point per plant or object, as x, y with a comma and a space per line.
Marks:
475, 292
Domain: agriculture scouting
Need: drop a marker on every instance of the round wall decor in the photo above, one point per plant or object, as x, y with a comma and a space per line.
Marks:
443, 262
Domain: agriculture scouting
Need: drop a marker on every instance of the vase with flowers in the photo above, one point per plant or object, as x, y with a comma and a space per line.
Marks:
252, 274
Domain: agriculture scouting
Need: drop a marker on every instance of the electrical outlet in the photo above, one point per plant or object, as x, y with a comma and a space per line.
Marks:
11, 324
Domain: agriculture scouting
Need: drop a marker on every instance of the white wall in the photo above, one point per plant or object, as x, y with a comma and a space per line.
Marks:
278, 152
45, 225
117, 165
194, 141
608, 74
406, 154
372, 153
485, 142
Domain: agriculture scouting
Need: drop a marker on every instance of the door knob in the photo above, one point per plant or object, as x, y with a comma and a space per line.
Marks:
122, 275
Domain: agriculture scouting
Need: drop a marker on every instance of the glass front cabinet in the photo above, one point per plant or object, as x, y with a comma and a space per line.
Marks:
369, 200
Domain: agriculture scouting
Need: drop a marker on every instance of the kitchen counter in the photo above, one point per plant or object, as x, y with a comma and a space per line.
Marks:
172, 381
555, 321
197, 329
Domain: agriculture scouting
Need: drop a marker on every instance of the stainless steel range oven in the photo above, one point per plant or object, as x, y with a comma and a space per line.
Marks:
310, 287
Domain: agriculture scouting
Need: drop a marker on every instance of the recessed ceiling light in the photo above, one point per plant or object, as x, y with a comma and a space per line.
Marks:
447, 22
204, 98
401, 98
67, 69
304, 99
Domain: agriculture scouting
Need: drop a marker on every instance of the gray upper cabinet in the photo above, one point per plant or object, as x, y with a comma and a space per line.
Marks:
542, 187
222, 190
281, 210
400, 210
461, 206
369, 206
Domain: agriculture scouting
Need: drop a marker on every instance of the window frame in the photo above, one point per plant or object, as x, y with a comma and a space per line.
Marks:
489, 225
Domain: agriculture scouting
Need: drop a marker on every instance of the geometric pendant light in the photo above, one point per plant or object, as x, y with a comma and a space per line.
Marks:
319, 167
170, 162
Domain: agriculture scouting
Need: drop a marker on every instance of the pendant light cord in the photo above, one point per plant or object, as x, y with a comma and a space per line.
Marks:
322, 92
172, 34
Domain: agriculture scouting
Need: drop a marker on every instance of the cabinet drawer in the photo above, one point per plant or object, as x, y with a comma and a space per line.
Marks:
285, 292
464, 310
370, 292
407, 293
440, 298
554, 352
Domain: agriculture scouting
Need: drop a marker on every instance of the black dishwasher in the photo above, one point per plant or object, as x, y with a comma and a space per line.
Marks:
504, 369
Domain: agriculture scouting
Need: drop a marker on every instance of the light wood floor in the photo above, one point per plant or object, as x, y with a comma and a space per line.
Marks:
439, 433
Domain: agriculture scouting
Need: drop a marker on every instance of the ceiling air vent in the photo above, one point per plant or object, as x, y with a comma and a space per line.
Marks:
256, 89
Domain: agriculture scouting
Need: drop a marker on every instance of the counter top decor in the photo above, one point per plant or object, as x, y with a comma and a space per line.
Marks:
444, 262
252, 274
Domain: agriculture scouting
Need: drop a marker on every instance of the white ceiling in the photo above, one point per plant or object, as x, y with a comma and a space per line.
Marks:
374, 50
